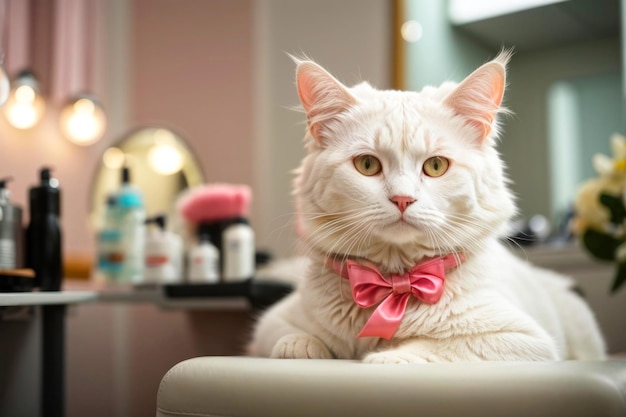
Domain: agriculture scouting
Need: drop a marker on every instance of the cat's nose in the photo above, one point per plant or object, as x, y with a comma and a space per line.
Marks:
402, 202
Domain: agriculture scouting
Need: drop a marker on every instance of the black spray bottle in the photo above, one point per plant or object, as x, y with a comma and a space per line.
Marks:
43, 235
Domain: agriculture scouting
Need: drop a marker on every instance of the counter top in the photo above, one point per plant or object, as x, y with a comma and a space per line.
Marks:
46, 298
154, 294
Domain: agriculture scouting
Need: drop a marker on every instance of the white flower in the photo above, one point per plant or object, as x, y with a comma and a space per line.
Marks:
590, 213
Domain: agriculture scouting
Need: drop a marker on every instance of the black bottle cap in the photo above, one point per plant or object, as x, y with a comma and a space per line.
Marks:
3, 182
5, 194
160, 221
45, 198
111, 200
125, 175
44, 175
203, 232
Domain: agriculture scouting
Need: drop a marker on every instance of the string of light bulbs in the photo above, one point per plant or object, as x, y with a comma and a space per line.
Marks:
82, 119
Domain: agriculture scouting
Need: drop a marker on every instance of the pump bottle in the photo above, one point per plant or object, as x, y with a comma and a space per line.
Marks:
110, 252
43, 235
162, 253
132, 230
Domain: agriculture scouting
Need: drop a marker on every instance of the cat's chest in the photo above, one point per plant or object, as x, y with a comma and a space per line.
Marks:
328, 300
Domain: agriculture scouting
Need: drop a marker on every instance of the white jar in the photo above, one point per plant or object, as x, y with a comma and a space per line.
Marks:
203, 262
238, 251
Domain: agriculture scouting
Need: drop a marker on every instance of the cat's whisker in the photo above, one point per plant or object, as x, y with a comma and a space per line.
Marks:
514, 244
286, 223
334, 227
454, 232
345, 239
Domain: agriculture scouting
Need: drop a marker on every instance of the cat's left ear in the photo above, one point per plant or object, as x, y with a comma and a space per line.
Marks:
479, 97
321, 95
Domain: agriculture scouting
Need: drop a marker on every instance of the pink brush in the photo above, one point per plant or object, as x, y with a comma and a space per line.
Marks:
215, 202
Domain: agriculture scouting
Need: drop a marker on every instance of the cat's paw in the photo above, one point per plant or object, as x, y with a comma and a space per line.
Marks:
393, 357
300, 346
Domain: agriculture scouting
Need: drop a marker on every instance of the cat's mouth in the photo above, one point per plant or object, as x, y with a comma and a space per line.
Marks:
403, 228
403, 222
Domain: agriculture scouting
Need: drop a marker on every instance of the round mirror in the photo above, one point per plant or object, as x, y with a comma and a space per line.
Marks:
161, 166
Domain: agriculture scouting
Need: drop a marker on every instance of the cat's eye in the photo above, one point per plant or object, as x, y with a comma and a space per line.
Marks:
367, 165
436, 166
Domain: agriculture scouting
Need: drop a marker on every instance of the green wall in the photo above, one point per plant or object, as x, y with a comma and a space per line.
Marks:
442, 53
525, 145
592, 68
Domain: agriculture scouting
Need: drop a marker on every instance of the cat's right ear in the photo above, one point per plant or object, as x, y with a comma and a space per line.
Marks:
479, 97
321, 95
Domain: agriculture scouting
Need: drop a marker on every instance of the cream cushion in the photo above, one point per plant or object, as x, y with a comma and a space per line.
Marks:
256, 387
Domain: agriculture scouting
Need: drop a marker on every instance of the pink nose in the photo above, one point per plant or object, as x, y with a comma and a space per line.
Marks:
402, 202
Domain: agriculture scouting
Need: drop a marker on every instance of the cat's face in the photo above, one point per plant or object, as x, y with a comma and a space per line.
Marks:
401, 174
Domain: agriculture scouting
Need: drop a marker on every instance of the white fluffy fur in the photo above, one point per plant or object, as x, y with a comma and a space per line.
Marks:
494, 306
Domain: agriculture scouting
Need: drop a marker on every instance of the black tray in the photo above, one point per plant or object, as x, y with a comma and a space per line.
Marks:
260, 293
219, 290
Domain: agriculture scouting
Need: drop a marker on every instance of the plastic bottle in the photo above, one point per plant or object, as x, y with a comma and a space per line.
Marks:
10, 227
203, 259
238, 250
43, 235
109, 245
160, 253
177, 255
132, 230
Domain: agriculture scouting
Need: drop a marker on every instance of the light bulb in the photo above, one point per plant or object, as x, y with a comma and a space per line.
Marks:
411, 31
164, 157
24, 106
113, 158
83, 120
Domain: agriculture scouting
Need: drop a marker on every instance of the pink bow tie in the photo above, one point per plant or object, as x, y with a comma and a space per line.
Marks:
369, 287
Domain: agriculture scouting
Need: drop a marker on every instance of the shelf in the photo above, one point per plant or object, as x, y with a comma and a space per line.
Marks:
154, 294
246, 295
561, 257
46, 298
547, 26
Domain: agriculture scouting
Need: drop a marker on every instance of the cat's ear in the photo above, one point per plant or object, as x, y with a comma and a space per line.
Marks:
479, 97
321, 95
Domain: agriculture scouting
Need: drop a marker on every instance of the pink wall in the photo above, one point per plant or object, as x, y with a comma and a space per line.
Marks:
193, 72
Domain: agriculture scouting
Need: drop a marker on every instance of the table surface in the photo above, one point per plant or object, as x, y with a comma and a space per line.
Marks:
46, 297
154, 294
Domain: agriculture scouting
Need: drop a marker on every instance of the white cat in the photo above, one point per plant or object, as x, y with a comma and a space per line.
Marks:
393, 179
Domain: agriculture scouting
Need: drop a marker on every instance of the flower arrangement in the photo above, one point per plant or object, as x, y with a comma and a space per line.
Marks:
600, 210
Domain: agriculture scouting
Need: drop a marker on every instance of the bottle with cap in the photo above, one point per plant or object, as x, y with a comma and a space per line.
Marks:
161, 252
132, 229
203, 259
238, 250
109, 245
43, 234
10, 228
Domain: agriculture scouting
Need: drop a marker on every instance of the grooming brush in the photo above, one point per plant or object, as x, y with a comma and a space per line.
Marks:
214, 202
216, 206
